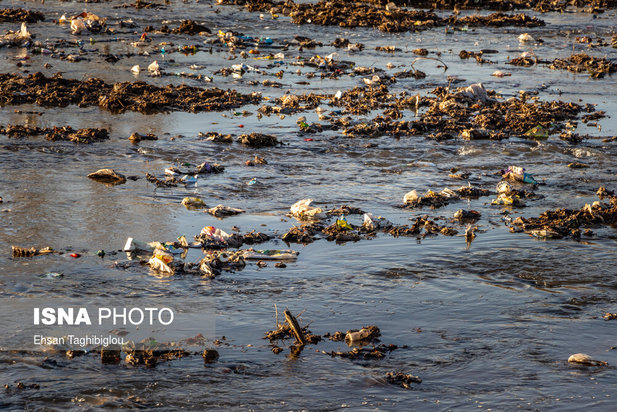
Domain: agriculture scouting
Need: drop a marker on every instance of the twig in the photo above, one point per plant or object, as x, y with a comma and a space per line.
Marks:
276, 311
445, 66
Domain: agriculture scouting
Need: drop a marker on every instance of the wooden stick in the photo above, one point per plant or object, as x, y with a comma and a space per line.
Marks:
277, 316
295, 327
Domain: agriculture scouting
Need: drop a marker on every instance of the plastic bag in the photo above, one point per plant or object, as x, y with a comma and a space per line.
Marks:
302, 209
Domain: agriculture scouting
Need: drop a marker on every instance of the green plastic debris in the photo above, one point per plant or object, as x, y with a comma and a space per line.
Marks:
538, 132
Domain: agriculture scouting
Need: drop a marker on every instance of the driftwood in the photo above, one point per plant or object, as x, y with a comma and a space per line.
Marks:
295, 327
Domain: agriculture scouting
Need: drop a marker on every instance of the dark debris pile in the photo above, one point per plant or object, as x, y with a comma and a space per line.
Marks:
402, 379
356, 14
470, 113
504, 5
597, 67
560, 223
117, 98
87, 135
28, 16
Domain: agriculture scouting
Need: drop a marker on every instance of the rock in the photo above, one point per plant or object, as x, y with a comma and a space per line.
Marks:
108, 176
136, 137
462, 214
411, 197
210, 355
224, 211
258, 140
367, 333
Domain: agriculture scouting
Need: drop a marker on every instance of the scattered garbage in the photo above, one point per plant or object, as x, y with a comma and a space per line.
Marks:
303, 210
538, 132
154, 68
375, 352
402, 379
133, 245
609, 316
213, 237
411, 197
77, 26
444, 197
291, 329
526, 38
499, 73
16, 38
29, 252
53, 275
597, 67
118, 97
470, 233
159, 265
387, 18
375, 222
343, 224
366, 334
270, 254
507, 199
518, 174
256, 161
476, 92
193, 203
584, 359
559, 223
189, 179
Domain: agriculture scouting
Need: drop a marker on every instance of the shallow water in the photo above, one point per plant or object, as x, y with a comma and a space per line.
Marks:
489, 325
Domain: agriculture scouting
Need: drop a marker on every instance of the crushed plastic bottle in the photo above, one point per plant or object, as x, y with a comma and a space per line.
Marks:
518, 173
189, 179
133, 245
375, 222
271, 254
